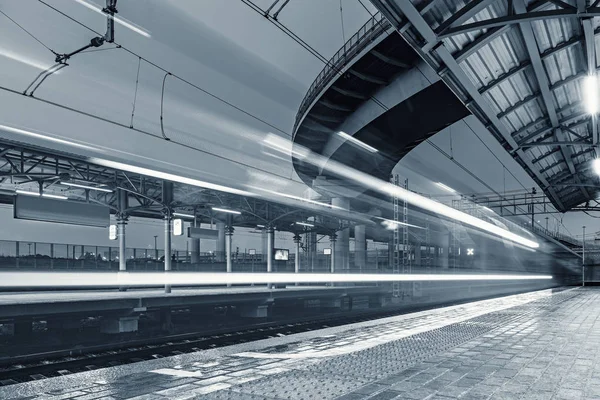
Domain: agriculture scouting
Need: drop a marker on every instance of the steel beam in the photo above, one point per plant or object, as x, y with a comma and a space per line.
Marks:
464, 14
419, 23
389, 60
590, 53
368, 77
518, 19
544, 85
537, 144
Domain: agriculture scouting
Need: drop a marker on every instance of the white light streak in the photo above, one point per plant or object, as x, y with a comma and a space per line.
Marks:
226, 210
304, 224
354, 140
390, 224
54, 196
133, 279
166, 176
44, 137
292, 197
260, 226
177, 214
415, 199
36, 194
23, 60
27, 193
78, 185
119, 20
590, 94
448, 188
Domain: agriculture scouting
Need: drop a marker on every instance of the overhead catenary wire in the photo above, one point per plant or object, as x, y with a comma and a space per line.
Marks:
29, 33
174, 75
162, 101
137, 80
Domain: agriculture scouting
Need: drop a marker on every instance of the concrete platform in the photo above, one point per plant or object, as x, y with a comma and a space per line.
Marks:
24, 304
540, 345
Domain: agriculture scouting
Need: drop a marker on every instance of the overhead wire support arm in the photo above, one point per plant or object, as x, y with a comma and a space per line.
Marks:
110, 10
280, 8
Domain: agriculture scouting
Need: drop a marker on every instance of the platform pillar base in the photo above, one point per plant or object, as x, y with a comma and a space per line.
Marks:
114, 325
257, 311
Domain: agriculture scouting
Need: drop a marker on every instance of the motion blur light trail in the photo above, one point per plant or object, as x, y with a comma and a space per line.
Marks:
116, 279
369, 182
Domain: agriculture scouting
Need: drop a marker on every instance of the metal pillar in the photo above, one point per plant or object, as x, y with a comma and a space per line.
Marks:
583, 259
220, 241
228, 243
297, 239
167, 197
194, 244
342, 247
333, 238
270, 245
121, 222
360, 247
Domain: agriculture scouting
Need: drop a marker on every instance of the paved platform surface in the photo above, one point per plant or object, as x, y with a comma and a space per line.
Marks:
540, 345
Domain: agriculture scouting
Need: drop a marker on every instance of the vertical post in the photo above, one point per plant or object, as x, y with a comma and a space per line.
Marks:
220, 241
228, 243
297, 239
168, 247
342, 258
167, 198
583, 259
121, 222
270, 245
51, 255
17, 254
360, 247
332, 238
194, 244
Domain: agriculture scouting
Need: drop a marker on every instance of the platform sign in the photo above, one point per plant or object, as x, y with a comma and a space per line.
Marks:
112, 232
282, 254
252, 252
327, 251
178, 227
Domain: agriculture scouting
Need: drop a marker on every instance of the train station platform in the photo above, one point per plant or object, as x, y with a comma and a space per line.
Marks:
538, 345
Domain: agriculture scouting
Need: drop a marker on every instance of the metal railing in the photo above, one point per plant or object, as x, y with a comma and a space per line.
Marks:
371, 30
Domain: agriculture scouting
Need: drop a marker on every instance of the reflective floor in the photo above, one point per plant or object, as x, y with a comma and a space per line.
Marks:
539, 345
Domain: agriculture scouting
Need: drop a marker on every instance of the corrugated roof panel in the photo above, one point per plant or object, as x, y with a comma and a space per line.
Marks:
497, 99
478, 70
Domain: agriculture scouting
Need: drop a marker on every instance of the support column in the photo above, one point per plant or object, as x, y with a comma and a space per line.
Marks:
220, 241
228, 246
342, 249
297, 239
270, 245
167, 196
333, 238
194, 244
122, 204
360, 247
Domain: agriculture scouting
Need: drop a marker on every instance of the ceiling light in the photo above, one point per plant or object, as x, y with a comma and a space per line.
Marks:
304, 224
590, 93
448, 188
225, 210
27, 193
183, 215
78, 185
596, 166
357, 142
119, 20
54, 196
260, 226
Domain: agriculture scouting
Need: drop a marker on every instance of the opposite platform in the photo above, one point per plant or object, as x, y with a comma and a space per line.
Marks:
540, 345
